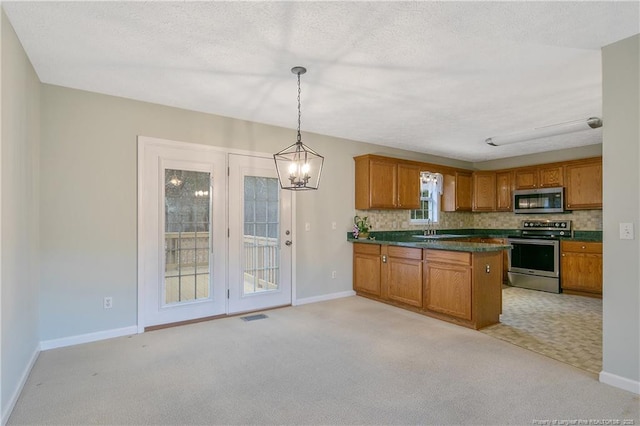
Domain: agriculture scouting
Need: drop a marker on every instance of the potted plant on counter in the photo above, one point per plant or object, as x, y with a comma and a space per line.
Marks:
361, 227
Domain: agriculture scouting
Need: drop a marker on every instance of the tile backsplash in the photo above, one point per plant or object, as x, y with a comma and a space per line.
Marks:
389, 220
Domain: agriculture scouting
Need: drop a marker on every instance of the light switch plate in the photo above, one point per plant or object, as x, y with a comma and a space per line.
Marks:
307, 226
626, 231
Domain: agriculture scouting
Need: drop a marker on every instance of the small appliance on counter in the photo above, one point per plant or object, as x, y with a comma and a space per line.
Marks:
534, 260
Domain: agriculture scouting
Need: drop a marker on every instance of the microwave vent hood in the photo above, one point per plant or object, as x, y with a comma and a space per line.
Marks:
540, 200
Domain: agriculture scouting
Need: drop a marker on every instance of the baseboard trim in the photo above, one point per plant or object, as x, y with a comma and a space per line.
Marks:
324, 297
6, 412
86, 338
620, 382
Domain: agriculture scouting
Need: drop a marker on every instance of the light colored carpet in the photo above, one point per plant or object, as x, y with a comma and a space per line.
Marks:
346, 361
562, 326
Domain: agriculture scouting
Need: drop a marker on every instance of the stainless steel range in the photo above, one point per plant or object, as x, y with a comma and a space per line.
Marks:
534, 260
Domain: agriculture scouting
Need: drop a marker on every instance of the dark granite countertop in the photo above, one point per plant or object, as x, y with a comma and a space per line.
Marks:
442, 239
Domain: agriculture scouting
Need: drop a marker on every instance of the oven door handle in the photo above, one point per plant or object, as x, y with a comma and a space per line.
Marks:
534, 241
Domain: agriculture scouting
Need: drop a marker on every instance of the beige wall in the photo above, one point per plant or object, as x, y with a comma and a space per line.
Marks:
621, 164
541, 158
19, 292
88, 185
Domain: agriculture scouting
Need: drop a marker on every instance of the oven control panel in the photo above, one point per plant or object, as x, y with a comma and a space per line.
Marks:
547, 225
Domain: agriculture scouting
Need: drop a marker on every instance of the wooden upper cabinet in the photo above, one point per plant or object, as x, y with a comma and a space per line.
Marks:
526, 178
550, 177
383, 184
583, 182
386, 183
504, 183
456, 190
538, 177
484, 192
408, 186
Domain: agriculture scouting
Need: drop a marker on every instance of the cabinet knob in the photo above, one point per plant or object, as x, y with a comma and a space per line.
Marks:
583, 247
488, 269
384, 258
563, 255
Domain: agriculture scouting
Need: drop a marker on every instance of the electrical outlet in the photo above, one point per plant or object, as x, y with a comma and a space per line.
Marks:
626, 231
108, 302
307, 226
334, 225
333, 274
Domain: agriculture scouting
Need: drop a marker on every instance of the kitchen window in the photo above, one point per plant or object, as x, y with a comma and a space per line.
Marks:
430, 192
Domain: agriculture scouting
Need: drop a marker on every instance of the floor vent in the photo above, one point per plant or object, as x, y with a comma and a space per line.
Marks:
254, 317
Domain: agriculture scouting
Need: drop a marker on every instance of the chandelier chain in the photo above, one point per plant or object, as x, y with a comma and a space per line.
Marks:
299, 137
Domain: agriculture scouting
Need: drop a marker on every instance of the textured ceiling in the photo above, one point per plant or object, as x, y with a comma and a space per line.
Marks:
433, 77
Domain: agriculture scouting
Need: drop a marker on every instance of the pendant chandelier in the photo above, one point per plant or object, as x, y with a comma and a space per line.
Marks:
299, 167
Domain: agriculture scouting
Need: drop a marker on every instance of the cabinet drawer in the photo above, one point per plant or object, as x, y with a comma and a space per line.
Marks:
459, 257
405, 252
364, 248
581, 246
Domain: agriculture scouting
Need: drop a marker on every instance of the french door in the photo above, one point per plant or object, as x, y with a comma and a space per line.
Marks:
212, 236
260, 236
184, 234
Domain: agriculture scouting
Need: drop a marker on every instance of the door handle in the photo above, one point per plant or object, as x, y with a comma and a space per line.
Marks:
288, 242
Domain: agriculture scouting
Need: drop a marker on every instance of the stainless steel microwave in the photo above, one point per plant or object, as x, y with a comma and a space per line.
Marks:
542, 200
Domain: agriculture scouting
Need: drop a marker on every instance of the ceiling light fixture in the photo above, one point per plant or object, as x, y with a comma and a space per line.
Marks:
546, 131
175, 180
299, 167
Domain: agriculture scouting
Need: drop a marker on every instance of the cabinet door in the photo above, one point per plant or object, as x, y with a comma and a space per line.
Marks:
408, 186
484, 191
583, 185
448, 193
503, 192
366, 269
549, 177
581, 272
404, 281
581, 266
382, 184
448, 289
456, 190
463, 191
526, 178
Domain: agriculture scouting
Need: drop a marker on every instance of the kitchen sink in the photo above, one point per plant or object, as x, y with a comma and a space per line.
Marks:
438, 236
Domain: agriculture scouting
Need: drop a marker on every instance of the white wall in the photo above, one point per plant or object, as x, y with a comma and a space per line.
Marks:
19, 217
88, 203
621, 185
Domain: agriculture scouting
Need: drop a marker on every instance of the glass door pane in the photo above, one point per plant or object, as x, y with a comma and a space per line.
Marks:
187, 236
261, 254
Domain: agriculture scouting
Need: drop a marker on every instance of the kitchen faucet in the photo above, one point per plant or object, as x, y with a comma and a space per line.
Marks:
429, 230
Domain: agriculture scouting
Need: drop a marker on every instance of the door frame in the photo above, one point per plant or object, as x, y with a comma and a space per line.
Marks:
146, 142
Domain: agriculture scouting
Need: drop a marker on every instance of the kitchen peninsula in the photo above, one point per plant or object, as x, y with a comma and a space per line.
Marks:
445, 277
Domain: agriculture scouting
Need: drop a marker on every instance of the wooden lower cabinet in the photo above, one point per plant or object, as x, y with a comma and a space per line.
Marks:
460, 287
581, 267
366, 269
403, 275
505, 253
448, 283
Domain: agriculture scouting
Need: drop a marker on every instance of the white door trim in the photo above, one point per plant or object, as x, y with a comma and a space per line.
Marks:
144, 143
